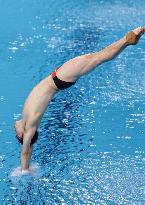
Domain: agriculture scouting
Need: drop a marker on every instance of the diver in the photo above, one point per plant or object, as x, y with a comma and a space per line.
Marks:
62, 78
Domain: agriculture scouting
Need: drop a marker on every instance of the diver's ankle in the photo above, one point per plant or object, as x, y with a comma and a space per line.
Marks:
125, 41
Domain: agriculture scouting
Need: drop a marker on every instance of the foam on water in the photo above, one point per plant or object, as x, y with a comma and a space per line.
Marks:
34, 169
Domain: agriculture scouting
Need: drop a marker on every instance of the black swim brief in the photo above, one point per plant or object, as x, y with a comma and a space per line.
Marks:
60, 84
33, 140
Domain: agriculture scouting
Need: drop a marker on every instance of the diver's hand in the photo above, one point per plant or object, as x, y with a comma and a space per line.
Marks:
26, 171
133, 36
19, 172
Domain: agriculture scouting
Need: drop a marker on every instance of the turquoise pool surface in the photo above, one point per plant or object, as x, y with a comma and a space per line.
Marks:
91, 147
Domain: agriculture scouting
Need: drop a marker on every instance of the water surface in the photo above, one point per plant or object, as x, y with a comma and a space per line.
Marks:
91, 144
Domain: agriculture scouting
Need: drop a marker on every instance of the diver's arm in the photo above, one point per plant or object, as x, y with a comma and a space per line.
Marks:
30, 152
26, 151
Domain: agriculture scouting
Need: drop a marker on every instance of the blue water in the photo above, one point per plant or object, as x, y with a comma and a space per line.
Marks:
91, 148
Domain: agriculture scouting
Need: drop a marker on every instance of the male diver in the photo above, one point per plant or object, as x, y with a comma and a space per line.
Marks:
62, 78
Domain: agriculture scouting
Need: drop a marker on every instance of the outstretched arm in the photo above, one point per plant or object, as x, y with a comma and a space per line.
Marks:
30, 152
26, 150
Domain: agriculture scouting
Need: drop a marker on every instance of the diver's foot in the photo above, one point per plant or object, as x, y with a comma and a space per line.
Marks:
139, 31
133, 36
19, 128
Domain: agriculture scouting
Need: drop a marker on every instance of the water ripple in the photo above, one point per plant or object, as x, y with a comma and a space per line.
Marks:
91, 138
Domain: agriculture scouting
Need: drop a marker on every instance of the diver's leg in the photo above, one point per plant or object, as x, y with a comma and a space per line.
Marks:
111, 51
80, 65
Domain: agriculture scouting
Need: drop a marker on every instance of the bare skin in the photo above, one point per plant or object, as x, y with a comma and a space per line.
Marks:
41, 95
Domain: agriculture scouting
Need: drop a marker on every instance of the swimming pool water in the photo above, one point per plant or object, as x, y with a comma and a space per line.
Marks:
92, 136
